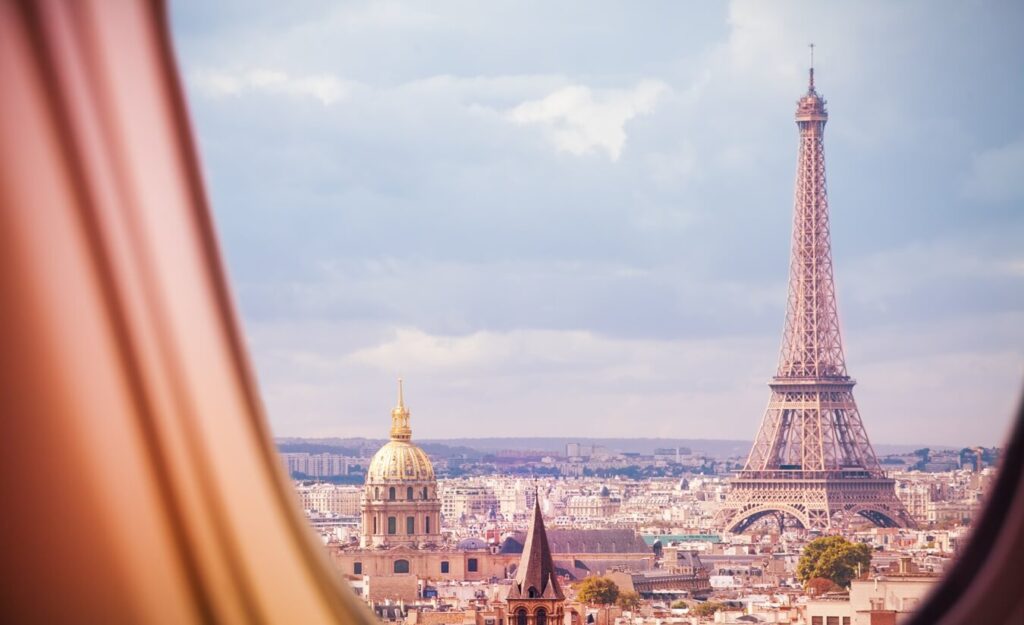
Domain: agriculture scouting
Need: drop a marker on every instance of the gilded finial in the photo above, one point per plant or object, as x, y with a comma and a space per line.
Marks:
400, 430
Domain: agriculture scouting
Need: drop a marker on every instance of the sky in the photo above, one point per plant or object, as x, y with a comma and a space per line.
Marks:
573, 219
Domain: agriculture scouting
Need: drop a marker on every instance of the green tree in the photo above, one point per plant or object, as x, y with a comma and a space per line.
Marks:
597, 590
679, 604
834, 558
628, 600
707, 608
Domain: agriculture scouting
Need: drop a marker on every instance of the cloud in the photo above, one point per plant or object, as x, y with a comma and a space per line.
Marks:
336, 378
944, 274
459, 298
544, 352
326, 88
413, 349
340, 375
580, 120
443, 227
901, 394
997, 175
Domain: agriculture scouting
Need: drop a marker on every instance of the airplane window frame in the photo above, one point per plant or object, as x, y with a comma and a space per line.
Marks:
71, 102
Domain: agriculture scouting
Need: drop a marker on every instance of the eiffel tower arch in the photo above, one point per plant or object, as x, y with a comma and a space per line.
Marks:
811, 461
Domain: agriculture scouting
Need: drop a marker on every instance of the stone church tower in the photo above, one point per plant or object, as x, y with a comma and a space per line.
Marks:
536, 598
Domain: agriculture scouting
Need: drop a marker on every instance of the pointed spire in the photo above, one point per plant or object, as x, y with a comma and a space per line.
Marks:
810, 88
536, 577
811, 107
400, 430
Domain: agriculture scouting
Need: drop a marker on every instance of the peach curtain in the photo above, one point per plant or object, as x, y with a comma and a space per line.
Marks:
139, 480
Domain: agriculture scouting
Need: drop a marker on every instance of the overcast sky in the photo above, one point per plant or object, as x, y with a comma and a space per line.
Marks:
573, 218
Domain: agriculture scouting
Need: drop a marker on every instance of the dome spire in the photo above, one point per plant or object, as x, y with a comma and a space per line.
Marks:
400, 430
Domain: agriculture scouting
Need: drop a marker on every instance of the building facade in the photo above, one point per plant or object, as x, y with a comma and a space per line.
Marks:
331, 498
317, 465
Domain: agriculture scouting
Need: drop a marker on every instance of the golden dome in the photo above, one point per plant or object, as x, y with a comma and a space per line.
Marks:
399, 461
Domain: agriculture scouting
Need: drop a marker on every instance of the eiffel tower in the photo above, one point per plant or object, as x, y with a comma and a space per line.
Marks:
811, 461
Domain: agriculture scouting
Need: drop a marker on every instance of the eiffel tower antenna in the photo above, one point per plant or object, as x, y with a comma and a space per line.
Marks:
811, 82
812, 460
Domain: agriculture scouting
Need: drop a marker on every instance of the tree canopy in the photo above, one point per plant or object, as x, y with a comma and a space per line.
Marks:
628, 600
707, 608
597, 590
833, 558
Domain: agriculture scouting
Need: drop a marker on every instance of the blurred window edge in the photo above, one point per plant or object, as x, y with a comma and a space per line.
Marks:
150, 409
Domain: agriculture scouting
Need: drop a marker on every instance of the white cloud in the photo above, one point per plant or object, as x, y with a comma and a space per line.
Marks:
997, 174
876, 279
522, 282
605, 358
331, 378
326, 88
336, 378
416, 350
903, 394
581, 120
1013, 267
672, 168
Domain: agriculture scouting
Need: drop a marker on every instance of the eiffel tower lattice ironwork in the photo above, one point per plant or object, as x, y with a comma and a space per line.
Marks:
811, 460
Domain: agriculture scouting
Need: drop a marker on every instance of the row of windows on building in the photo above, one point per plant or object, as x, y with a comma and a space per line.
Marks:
393, 493
402, 566
410, 525
540, 617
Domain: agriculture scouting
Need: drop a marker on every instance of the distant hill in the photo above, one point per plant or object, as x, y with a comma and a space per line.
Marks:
314, 447
475, 447
352, 446
716, 448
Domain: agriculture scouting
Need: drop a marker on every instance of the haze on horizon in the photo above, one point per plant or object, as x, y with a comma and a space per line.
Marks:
574, 220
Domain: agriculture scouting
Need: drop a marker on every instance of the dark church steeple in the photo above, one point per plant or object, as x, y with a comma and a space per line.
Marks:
536, 597
535, 577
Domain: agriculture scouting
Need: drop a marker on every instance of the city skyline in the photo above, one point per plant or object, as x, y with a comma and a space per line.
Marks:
593, 236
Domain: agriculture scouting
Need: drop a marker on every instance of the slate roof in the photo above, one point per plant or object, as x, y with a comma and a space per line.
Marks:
690, 559
536, 577
584, 541
665, 539
579, 569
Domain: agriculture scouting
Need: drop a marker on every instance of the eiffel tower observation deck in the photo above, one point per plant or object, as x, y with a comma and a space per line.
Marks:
812, 462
